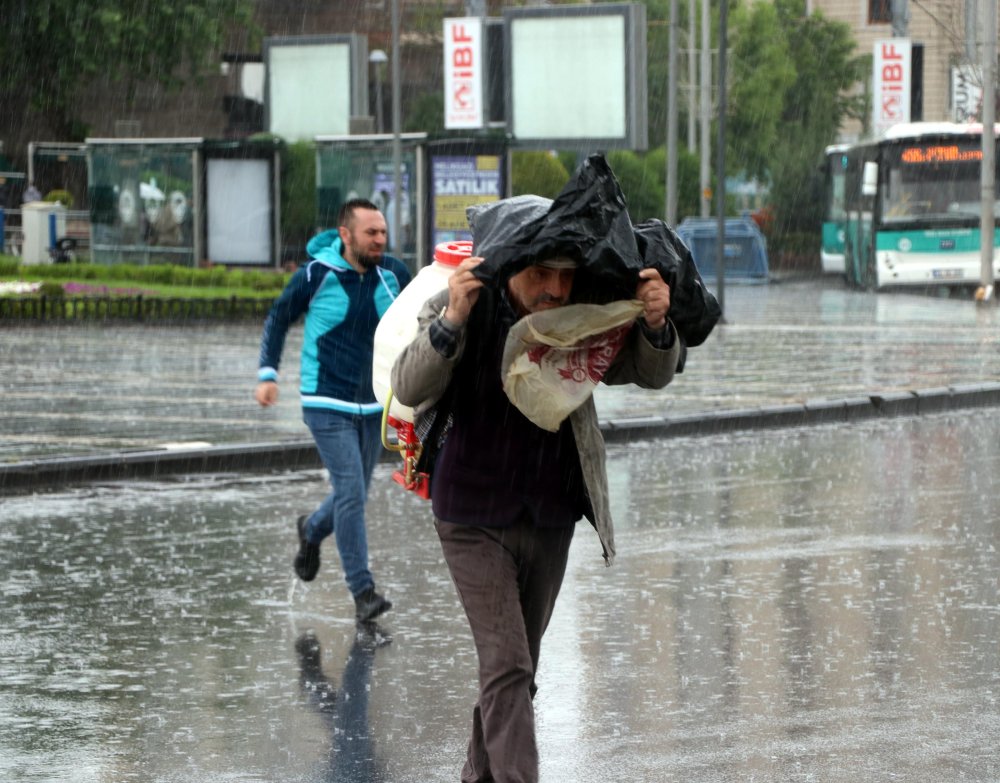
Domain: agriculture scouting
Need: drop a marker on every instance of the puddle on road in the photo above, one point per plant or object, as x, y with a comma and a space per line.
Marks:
794, 605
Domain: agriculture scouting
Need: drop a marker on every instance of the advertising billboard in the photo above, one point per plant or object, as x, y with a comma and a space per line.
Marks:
463, 73
314, 84
891, 83
576, 76
458, 182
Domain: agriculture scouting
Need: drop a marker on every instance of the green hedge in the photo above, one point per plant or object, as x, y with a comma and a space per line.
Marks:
173, 310
163, 274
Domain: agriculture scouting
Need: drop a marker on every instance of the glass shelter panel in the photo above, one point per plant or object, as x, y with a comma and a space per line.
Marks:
364, 169
142, 203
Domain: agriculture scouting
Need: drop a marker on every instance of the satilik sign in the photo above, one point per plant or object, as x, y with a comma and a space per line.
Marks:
891, 83
463, 73
459, 182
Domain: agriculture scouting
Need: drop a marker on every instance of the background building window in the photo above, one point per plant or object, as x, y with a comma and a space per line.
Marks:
917, 83
879, 11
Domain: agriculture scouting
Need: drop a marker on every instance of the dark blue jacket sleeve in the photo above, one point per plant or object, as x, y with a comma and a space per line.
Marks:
287, 309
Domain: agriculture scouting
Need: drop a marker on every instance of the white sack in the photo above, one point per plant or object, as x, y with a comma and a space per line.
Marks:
554, 359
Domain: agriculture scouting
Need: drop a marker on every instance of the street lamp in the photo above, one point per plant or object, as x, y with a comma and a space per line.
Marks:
378, 58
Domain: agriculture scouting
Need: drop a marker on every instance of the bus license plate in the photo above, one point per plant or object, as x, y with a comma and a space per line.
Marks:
946, 274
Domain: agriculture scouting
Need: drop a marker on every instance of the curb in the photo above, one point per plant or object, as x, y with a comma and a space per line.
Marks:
51, 474
809, 413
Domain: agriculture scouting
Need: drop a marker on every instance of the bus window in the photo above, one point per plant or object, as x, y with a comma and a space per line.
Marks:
936, 181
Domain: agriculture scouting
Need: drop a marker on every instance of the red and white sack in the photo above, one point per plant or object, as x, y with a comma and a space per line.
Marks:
554, 359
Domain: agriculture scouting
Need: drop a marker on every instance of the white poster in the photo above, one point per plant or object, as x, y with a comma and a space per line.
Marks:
239, 211
463, 73
568, 77
966, 92
891, 84
309, 90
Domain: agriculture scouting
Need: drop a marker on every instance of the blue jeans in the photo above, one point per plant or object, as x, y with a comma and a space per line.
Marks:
349, 447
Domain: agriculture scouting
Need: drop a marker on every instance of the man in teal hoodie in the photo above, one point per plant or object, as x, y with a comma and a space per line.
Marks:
343, 292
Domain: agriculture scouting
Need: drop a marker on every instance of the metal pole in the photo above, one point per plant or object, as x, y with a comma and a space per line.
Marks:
671, 175
988, 175
692, 78
31, 163
397, 147
379, 123
706, 103
720, 171
970, 30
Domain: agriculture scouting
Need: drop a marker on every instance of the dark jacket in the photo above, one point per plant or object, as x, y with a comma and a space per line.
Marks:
421, 377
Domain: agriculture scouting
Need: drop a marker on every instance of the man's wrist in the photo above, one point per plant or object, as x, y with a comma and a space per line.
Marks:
662, 338
450, 324
444, 336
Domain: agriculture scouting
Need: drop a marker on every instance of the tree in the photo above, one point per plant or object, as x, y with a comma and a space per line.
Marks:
643, 180
792, 76
537, 173
657, 66
52, 50
298, 193
818, 101
426, 114
762, 75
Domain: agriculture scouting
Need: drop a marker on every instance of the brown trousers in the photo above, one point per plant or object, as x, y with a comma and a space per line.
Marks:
507, 580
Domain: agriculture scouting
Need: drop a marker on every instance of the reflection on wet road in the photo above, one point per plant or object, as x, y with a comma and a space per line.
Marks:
129, 387
816, 604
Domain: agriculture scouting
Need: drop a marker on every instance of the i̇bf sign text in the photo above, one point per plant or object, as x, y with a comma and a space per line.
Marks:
891, 81
463, 73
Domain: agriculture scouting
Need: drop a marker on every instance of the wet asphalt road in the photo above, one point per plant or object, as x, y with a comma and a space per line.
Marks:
125, 388
814, 604
806, 604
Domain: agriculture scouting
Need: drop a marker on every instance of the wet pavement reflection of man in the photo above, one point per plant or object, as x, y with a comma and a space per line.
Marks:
344, 710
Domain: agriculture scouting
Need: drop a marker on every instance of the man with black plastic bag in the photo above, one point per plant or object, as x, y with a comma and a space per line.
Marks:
506, 492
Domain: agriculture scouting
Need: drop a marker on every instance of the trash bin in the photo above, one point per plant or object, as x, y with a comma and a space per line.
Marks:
745, 249
43, 225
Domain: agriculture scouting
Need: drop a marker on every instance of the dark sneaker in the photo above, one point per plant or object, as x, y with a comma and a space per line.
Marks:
369, 605
307, 559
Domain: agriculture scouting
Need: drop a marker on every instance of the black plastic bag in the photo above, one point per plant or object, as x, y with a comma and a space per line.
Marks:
589, 222
694, 309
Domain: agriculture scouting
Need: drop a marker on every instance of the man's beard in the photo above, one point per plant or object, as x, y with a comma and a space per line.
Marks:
367, 261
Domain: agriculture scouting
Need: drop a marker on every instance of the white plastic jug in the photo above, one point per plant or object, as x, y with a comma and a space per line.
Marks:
398, 326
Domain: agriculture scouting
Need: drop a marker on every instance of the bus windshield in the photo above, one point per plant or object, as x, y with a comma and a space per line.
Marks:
929, 181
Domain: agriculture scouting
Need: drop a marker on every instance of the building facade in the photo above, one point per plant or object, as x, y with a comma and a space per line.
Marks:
945, 34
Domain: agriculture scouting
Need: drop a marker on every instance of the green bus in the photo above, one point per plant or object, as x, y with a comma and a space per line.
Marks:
912, 207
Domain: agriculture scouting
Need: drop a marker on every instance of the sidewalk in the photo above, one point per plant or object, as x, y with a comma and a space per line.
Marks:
126, 400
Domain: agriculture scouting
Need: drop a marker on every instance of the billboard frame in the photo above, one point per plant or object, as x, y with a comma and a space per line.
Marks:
635, 109
356, 81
